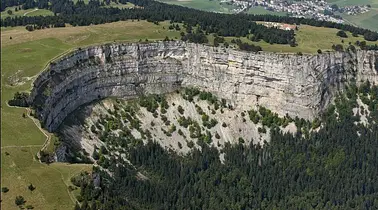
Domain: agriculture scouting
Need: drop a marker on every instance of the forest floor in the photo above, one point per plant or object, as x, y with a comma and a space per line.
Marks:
25, 54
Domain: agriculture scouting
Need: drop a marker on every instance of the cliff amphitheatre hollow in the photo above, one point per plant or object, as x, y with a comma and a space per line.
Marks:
285, 83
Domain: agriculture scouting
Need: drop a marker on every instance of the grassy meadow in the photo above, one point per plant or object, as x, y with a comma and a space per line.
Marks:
121, 6
261, 11
28, 12
206, 5
309, 40
19, 169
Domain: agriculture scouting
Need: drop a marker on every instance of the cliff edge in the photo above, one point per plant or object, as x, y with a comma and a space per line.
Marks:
290, 84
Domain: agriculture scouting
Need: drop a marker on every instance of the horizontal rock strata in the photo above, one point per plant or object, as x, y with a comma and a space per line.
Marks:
290, 84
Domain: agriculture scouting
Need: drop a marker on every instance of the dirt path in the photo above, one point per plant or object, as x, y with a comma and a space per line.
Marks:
48, 135
4, 147
31, 11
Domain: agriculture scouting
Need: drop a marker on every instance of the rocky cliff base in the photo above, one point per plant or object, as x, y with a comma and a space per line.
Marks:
178, 121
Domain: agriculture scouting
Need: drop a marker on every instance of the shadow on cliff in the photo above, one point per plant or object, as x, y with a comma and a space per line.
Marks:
74, 140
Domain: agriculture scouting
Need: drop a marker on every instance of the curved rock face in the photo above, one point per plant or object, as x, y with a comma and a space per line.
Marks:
285, 83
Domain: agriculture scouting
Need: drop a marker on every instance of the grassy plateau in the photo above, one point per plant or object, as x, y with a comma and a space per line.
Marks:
25, 54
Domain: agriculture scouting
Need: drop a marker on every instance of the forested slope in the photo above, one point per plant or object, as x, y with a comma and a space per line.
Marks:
332, 167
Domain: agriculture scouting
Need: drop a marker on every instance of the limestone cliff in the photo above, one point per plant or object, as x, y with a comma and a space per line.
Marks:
285, 83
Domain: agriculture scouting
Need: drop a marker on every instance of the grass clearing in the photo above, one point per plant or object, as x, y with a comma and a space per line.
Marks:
130, 31
206, 5
20, 62
19, 169
121, 6
310, 39
28, 12
261, 11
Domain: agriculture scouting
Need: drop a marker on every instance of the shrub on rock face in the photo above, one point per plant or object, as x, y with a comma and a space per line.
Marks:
180, 109
261, 130
190, 144
241, 140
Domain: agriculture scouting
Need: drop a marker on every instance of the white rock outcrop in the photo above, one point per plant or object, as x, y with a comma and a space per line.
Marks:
285, 83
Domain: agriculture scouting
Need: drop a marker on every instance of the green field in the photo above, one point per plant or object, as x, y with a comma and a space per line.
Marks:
367, 20
23, 57
19, 169
261, 11
121, 6
309, 40
113, 4
28, 12
206, 5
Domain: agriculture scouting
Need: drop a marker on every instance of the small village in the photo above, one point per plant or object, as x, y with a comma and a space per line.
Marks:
317, 9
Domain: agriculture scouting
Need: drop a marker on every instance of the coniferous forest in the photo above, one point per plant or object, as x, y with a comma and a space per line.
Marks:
238, 25
333, 168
